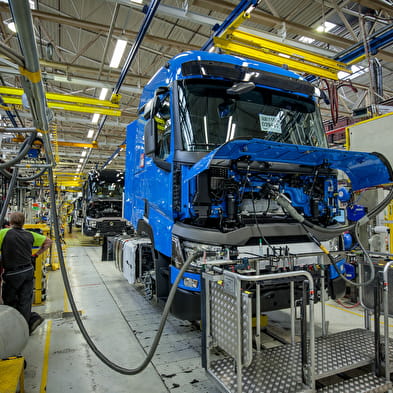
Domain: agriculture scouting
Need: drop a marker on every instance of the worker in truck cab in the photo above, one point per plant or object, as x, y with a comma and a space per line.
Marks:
16, 245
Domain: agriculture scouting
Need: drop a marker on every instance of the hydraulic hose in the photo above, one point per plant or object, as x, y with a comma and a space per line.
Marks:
89, 341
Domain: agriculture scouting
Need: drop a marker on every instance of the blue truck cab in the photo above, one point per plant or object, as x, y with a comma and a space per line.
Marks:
215, 138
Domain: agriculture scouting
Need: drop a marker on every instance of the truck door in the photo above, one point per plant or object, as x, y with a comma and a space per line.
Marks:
158, 172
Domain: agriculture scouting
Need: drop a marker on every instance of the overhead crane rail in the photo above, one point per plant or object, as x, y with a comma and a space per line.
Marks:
235, 41
72, 103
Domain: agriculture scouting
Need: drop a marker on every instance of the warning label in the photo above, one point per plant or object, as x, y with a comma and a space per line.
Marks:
270, 123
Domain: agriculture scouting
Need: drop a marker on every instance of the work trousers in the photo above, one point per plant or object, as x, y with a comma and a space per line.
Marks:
18, 290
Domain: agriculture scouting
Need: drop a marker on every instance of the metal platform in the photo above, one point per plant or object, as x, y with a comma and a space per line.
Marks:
278, 370
367, 383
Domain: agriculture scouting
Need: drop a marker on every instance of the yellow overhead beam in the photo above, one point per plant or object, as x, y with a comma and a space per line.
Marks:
69, 107
13, 95
235, 41
267, 57
295, 53
91, 145
13, 91
81, 100
82, 108
69, 184
61, 173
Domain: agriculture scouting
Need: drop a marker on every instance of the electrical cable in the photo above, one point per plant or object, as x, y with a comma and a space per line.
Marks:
257, 223
89, 341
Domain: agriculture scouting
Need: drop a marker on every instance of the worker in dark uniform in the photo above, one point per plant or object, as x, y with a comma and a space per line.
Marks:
16, 246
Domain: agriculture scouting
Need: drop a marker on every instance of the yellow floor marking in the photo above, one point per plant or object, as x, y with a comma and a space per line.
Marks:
44, 375
352, 312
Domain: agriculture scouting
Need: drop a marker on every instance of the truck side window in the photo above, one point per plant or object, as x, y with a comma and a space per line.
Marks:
162, 120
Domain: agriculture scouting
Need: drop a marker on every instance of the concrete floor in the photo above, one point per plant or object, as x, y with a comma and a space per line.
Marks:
122, 324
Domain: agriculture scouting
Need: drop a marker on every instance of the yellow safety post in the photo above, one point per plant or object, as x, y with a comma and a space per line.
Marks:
40, 280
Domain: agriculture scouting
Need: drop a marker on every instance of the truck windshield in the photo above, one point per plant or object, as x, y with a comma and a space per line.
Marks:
107, 190
209, 116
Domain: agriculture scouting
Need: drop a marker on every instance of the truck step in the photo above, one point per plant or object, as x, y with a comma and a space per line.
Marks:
366, 383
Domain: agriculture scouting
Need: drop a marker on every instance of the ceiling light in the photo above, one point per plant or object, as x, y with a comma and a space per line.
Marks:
95, 118
118, 53
81, 160
306, 40
104, 92
83, 153
11, 25
325, 27
137, 1
90, 133
342, 75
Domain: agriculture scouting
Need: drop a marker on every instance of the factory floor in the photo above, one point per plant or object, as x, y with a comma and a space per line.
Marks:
122, 324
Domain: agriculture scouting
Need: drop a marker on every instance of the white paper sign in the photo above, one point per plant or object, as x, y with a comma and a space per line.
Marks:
270, 123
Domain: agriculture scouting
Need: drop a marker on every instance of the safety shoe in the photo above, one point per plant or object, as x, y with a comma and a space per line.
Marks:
34, 324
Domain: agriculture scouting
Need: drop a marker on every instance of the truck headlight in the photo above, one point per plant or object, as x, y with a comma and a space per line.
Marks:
190, 282
92, 223
191, 247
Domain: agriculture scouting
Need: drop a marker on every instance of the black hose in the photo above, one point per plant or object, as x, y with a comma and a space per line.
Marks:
97, 352
8, 196
24, 178
26, 146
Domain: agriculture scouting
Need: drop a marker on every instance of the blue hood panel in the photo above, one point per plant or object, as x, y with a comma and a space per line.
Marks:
363, 169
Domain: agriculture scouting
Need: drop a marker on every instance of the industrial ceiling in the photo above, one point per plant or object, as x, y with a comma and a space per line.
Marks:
76, 39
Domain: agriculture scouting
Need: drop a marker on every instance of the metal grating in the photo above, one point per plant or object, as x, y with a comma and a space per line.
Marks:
367, 383
224, 323
280, 373
279, 369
